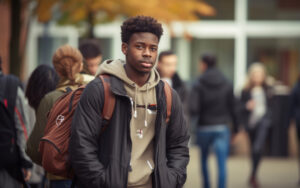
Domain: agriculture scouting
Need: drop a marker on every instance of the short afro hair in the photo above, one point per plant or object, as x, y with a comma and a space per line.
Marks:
140, 24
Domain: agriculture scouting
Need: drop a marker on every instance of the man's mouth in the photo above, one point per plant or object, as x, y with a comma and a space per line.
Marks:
146, 64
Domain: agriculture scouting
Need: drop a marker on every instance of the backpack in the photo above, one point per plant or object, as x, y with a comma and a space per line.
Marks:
8, 92
54, 145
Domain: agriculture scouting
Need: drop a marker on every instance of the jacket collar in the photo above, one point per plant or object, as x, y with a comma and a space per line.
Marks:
117, 86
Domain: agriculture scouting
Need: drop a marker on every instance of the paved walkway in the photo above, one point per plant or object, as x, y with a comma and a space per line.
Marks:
273, 172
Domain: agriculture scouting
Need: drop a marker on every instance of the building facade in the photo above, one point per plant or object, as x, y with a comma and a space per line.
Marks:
243, 32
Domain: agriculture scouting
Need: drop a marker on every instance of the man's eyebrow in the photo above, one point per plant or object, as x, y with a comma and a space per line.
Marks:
143, 43
139, 42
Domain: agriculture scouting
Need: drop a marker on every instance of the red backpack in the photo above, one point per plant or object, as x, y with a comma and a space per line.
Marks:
55, 142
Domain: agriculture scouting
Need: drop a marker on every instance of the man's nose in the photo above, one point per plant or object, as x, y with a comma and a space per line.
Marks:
147, 52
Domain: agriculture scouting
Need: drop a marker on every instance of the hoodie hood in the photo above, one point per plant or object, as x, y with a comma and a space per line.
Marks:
116, 68
212, 77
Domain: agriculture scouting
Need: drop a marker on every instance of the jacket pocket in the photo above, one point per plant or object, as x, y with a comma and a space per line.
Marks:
114, 176
168, 178
103, 178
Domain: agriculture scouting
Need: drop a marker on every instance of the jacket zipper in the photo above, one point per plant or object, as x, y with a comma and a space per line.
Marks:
130, 143
128, 132
157, 136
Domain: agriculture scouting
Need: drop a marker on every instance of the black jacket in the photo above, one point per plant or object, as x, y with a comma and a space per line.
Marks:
246, 96
212, 100
104, 160
295, 103
179, 87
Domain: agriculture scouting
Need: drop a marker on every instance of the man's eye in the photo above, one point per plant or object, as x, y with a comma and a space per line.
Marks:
139, 47
153, 49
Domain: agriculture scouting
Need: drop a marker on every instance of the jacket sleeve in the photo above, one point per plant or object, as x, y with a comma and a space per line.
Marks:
232, 106
22, 127
242, 109
177, 141
194, 100
85, 132
243, 101
294, 106
293, 103
32, 148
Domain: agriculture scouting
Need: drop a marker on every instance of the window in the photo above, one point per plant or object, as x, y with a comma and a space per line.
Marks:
47, 46
281, 56
224, 10
274, 9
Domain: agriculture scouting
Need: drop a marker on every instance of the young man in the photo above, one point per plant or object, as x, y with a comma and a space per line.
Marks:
213, 102
137, 148
92, 55
167, 65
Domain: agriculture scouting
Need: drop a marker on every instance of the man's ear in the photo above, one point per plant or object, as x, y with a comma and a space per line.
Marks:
124, 48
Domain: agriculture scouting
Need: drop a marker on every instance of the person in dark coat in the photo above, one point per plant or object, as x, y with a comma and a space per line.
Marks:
256, 101
295, 111
213, 102
15, 168
138, 148
166, 66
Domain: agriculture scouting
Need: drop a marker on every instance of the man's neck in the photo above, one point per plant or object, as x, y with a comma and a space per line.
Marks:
139, 78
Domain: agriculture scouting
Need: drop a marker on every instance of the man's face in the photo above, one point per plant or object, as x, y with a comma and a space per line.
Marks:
141, 52
92, 64
167, 66
202, 67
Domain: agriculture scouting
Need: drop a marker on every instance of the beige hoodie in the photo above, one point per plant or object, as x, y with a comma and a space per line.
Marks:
142, 124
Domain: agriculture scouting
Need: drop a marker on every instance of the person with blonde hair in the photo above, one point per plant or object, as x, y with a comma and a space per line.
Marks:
67, 62
256, 102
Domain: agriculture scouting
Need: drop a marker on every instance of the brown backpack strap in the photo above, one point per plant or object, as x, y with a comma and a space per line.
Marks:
168, 93
109, 98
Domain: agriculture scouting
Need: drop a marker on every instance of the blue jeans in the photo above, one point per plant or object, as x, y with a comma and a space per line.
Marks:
60, 183
217, 137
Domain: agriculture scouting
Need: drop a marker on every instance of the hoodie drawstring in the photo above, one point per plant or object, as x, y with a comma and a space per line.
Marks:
146, 105
135, 105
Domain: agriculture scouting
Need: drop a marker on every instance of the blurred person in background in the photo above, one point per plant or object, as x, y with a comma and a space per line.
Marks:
295, 112
256, 99
43, 80
67, 62
213, 102
15, 168
167, 65
92, 56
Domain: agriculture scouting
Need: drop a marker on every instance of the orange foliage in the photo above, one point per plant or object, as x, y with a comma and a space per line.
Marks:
76, 11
